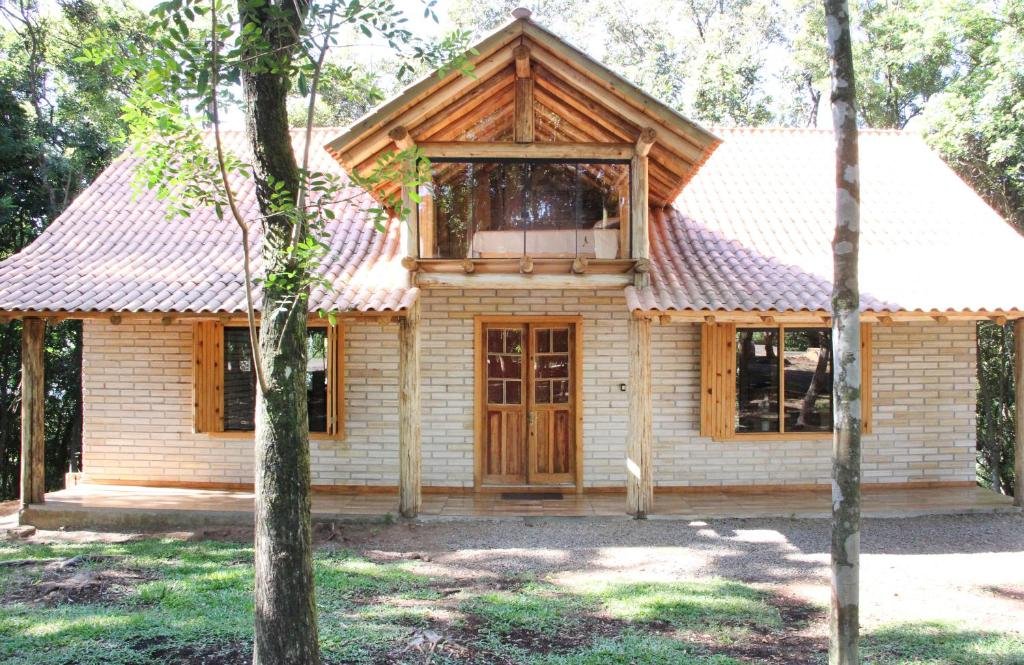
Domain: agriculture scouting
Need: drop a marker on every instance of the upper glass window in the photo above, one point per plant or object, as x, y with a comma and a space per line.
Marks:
512, 208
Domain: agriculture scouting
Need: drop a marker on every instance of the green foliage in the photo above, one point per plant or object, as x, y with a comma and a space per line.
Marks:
59, 127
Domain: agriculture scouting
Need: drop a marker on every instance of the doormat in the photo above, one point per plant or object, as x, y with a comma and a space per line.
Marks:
531, 496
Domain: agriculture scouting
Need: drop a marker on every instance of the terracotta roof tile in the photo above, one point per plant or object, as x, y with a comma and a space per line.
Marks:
115, 250
753, 231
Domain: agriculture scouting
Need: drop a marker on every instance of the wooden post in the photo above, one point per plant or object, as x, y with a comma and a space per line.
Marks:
33, 395
638, 205
639, 469
410, 227
524, 96
409, 429
1018, 375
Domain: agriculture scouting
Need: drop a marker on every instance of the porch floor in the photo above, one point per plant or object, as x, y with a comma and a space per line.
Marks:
154, 508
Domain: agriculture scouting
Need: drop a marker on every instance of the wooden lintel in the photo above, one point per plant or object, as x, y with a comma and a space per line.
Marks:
999, 320
645, 141
885, 320
535, 280
402, 138
940, 318
768, 320
484, 150
522, 56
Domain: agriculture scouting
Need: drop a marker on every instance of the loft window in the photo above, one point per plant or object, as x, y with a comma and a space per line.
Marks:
510, 208
240, 380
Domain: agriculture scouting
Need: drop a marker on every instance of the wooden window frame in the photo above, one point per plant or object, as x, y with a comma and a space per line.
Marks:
208, 381
718, 383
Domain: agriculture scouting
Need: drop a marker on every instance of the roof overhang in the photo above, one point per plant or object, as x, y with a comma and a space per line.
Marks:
592, 103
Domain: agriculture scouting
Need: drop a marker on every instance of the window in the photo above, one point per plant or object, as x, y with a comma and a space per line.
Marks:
225, 379
772, 382
511, 208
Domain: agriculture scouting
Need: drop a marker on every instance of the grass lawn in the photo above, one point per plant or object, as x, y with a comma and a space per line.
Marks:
157, 601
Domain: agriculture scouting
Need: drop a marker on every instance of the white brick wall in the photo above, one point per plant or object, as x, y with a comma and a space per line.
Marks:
923, 393
137, 387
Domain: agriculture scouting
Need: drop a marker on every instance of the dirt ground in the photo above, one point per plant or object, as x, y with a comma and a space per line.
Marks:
967, 570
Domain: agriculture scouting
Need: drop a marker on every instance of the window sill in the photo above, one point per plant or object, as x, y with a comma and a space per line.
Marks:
776, 436
236, 435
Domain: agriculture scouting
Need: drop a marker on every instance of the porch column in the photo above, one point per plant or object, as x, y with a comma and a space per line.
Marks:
409, 430
639, 480
33, 476
1018, 375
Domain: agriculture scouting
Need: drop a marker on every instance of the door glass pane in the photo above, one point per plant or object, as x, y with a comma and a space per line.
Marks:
808, 380
542, 392
560, 392
757, 380
560, 340
504, 365
553, 366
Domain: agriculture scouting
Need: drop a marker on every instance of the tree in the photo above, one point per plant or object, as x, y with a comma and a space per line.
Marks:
844, 613
268, 49
60, 127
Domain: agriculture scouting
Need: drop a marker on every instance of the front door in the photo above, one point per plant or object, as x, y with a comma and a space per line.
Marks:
529, 402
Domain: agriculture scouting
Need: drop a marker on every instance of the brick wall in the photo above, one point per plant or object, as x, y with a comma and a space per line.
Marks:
137, 387
923, 393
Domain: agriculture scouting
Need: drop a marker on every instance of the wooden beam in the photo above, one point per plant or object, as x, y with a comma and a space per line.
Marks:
522, 56
526, 264
1018, 375
885, 320
33, 396
522, 280
481, 150
639, 465
639, 214
999, 320
579, 264
402, 138
524, 116
645, 141
410, 457
940, 318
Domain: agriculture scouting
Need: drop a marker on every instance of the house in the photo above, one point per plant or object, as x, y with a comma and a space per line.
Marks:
594, 295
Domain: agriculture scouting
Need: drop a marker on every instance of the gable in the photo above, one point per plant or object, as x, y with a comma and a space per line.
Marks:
574, 100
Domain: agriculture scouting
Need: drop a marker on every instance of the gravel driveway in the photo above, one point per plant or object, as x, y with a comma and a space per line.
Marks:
968, 570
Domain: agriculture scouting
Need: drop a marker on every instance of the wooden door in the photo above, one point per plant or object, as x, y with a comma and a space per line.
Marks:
551, 449
529, 403
504, 452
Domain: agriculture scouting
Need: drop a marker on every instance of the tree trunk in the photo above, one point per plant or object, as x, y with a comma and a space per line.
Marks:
844, 613
285, 623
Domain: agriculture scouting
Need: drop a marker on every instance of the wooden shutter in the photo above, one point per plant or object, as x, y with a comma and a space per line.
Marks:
717, 378
865, 377
208, 376
336, 380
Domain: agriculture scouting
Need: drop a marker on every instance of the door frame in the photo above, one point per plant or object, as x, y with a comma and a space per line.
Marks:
480, 393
